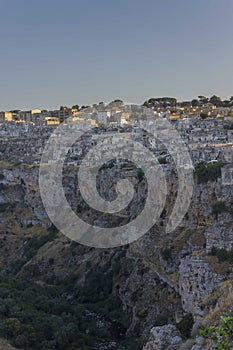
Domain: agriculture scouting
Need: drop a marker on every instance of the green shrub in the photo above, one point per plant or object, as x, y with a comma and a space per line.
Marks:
116, 267
163, 160
220, 336
218, 208
2, 186
32, 244
166, 254
185, 326
205, 172
16, 163
222, 254
108, 165
97, 287
228, 126
142, 313
41, 318
162, 320
204, 115
140, 175
4, 207
51, 261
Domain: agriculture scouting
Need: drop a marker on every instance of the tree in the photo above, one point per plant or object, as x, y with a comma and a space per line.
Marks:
15, 111
216, 101
164, 101
75, 107
116, 103
226, 103
203, 115
203, 100
195, 103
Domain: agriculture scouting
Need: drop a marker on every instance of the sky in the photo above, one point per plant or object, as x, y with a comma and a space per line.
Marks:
55, 52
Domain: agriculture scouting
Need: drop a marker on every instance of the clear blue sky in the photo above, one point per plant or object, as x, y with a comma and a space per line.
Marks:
57, 52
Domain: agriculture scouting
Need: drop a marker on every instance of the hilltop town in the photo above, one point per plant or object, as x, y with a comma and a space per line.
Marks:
116, 113
206, 126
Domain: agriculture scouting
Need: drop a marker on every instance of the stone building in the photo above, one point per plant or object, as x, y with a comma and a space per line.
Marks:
227, 175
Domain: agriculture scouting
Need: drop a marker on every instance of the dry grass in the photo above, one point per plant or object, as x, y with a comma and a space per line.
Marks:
4, 345
223, 293
221, 268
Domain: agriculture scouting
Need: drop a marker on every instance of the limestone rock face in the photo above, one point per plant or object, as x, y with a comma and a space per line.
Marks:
196, 281
159, 278
166, 337
220, 233
200, 344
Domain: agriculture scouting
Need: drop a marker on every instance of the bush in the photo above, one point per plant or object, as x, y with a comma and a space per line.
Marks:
222, 254
4, 207
162, 320
41, 318
32, 244
228, 126
108, 165
204, 115
96, 288
220, 336
163, 160
140, 175
185, 326
2, 186
208, 171
142, 313
218, 208
51, 261
166, 254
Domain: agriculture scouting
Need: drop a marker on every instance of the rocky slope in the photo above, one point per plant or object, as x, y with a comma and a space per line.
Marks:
160, 279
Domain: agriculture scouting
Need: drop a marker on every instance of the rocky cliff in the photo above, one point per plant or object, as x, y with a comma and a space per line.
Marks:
159, 280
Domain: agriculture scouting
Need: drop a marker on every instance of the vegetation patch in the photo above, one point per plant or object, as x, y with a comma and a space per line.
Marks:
205, 172
35, 317
220, 336
218, 208
6, 206
162, 319
222, 254
31, 246
228, 126
185, 326
166, 254
162, 160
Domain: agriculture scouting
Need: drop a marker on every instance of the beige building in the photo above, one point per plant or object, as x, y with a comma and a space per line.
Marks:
52, 121
5, 116
65, 113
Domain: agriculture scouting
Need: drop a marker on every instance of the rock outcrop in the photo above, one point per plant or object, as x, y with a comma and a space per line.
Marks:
167, 337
